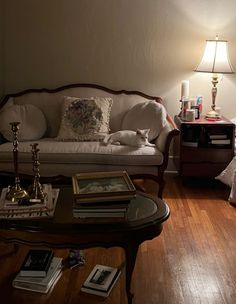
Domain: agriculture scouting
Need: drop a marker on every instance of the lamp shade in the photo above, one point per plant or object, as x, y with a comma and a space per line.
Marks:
215, 58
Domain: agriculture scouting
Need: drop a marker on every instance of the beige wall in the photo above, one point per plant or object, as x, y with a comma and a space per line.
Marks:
148, 45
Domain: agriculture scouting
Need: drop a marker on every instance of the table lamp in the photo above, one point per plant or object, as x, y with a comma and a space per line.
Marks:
215, 60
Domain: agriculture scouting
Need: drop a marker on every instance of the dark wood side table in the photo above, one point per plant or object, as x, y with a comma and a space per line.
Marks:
204, 148
144, 222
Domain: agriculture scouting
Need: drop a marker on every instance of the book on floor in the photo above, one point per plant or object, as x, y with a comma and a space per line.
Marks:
40, 284
36, 263
101, 280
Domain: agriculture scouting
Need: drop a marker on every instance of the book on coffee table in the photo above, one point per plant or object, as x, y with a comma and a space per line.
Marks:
99, 213
10, 210
101, 280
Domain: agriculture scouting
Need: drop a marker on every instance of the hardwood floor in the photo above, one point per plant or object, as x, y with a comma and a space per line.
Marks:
191, 262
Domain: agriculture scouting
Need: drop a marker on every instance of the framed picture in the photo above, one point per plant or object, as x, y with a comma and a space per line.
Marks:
103, 186
101, 280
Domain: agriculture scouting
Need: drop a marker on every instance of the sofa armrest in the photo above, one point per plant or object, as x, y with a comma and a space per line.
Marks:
164, 139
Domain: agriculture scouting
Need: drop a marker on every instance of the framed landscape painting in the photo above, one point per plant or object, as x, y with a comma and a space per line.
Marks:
103, 186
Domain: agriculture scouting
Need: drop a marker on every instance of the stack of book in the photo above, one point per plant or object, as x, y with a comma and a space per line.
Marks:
39, 272
219, 139
13, 210
101, 280
117, 209
102, 194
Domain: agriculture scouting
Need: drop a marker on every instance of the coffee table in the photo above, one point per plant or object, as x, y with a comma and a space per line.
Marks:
144, 222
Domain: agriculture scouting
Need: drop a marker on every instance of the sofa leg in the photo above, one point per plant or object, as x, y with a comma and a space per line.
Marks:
138, 184
161, 183
136, 178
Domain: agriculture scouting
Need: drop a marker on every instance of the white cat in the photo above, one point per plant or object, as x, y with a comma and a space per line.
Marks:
129, 138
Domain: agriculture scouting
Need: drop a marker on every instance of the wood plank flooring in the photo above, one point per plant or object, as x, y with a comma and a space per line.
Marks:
191, 262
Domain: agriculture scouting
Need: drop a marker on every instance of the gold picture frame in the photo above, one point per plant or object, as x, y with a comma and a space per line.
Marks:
103, 186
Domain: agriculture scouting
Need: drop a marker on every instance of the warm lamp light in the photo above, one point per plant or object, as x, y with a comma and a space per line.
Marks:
215, 60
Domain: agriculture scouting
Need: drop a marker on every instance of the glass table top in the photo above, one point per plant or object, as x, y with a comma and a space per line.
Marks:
141, 207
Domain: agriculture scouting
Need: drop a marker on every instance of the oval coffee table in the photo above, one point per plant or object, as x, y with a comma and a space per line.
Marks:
144, 221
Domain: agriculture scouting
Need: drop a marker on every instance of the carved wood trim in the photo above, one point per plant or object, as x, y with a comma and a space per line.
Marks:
78, 85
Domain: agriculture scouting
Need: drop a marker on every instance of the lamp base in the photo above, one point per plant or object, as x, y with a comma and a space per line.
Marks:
213, 115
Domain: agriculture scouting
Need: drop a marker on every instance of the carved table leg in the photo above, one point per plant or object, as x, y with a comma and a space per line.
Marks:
131, 250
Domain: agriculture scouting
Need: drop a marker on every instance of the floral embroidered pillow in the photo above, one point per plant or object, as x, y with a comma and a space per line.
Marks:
85, 119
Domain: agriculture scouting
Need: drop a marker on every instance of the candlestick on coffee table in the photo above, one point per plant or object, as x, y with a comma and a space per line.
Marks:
36, 191
16, 193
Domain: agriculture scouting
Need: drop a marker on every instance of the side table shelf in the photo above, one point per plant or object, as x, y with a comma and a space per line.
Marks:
204, 148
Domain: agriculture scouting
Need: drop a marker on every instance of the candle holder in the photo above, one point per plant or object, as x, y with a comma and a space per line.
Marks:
35, 190
16, 193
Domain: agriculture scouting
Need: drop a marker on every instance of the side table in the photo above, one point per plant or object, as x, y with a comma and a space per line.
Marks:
204, 148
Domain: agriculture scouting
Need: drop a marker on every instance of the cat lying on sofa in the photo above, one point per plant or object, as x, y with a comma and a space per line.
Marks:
130, 138
68, 125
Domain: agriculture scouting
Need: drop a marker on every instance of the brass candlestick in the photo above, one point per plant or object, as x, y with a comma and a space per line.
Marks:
36, 191
16, 193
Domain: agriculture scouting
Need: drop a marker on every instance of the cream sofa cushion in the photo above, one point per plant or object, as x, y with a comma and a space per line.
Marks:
68, 158
147, 115
85, 152
32, 122
85, 118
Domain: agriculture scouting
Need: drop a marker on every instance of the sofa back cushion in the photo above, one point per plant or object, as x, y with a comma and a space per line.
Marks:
51, 104
32, 126
146, 115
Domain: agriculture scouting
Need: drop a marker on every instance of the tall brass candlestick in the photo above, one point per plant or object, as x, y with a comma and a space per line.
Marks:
16, 193
36, 191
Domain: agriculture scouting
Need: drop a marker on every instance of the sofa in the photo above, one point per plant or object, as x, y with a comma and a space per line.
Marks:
41, 113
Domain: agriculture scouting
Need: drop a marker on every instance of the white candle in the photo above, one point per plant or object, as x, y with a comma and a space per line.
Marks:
184, 89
